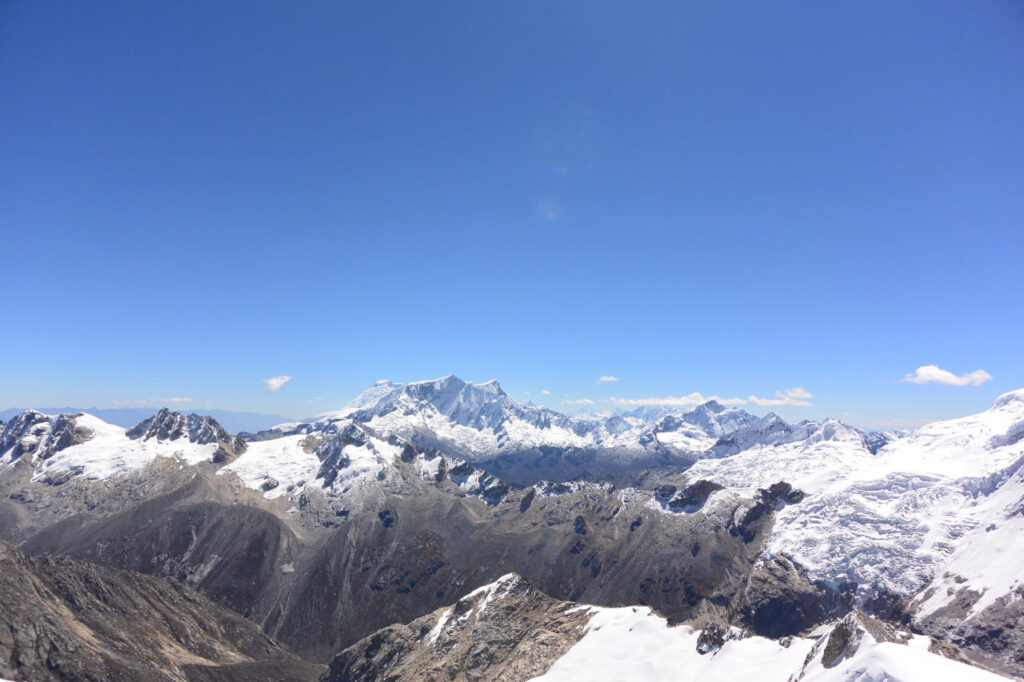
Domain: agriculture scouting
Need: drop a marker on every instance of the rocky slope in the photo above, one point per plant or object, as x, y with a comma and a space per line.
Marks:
394, 548
508, 630
62, 620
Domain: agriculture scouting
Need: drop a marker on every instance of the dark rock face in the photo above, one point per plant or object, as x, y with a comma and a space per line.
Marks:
842, 642
779, 600
87, 622
507, 630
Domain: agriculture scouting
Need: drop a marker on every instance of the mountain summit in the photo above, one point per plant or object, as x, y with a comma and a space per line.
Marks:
523, 443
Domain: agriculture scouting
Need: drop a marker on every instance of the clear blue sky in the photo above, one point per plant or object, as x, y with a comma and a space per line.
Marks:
729, 198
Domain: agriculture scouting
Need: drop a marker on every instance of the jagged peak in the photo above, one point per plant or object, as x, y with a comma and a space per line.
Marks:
452, 382
171, 425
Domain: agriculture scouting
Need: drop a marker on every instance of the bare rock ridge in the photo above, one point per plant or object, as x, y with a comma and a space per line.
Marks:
64, 620
507, 630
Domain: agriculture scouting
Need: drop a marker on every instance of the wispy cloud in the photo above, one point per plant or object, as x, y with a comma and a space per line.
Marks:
607, 379
933, 374
902, 423
275, 383
797, 397
581, 401
791, 396
546, 392
677, 401
151, 401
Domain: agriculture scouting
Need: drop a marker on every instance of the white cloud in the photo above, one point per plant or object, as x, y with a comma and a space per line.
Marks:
151, 401
792, 396
933, 374
680, 401
274, 383
581, 401
607, 378
797, 397
546, 392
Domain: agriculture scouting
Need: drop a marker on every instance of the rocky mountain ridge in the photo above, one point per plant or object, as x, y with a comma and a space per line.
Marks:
342, 527
524, 444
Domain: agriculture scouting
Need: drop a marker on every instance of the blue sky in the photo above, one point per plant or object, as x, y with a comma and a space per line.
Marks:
733, 199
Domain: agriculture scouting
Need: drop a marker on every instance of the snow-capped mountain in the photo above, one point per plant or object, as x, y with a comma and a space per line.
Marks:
887, 517
57, 446
525, 443
783, 525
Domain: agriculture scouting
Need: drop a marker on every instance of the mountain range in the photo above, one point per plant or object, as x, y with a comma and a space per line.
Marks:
130, 416
394, 510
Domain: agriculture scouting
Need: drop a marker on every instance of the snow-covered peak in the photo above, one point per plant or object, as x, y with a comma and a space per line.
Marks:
1011, 400
32, 433
713, 418
828, 430
63, 446
167, 425
770, 429
367, 398
462, 401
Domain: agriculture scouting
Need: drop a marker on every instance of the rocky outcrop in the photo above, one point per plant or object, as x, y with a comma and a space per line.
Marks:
715, 635
63, 620
690, 499
507, 630
750, 520
842, 642
993, 636
779, 600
